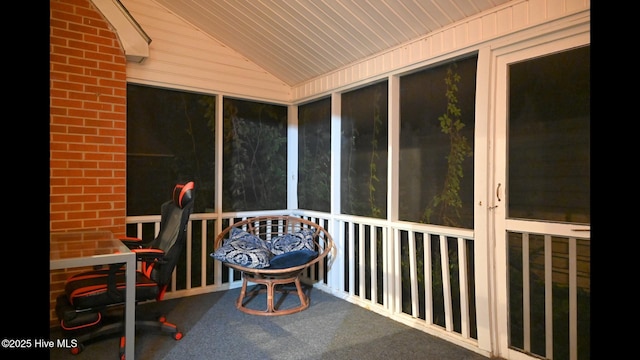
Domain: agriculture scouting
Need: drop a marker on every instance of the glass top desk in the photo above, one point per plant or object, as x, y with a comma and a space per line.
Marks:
90, 248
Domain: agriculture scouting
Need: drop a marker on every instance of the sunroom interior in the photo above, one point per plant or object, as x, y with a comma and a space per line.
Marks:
414, 131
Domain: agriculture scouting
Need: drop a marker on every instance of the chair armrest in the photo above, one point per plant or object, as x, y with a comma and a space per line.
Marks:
132, 242
149, 254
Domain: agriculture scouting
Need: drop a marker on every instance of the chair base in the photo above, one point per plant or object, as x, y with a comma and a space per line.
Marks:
270, 284
113, 326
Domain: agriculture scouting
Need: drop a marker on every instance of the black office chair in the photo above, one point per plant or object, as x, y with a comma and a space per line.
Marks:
86, 308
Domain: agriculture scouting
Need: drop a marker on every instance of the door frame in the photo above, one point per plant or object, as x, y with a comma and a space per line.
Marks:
497, 222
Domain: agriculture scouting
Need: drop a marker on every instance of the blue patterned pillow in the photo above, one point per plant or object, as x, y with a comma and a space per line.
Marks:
243, 249
292, 258
301, 239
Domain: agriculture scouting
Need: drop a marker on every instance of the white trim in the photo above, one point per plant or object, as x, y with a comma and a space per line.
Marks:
292, 157
135, 41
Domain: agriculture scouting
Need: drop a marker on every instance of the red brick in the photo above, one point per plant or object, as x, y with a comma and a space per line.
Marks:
87, 126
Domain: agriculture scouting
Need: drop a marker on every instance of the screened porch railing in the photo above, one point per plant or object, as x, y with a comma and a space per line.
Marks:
378, 265
413, 273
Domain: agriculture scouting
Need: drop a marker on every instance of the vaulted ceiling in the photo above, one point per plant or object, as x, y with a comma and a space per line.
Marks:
298, 40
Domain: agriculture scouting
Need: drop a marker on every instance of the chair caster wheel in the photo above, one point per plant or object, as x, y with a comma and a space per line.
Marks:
178, 335
77, 350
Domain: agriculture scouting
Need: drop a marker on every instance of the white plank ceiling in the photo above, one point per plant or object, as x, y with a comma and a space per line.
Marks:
298, 40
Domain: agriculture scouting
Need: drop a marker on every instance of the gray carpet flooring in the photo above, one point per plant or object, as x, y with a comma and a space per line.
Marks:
330, 328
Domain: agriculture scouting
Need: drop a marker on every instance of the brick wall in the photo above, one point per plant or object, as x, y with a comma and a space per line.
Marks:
87, 126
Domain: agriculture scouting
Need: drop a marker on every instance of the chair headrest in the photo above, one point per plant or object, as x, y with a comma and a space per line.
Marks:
183, 194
